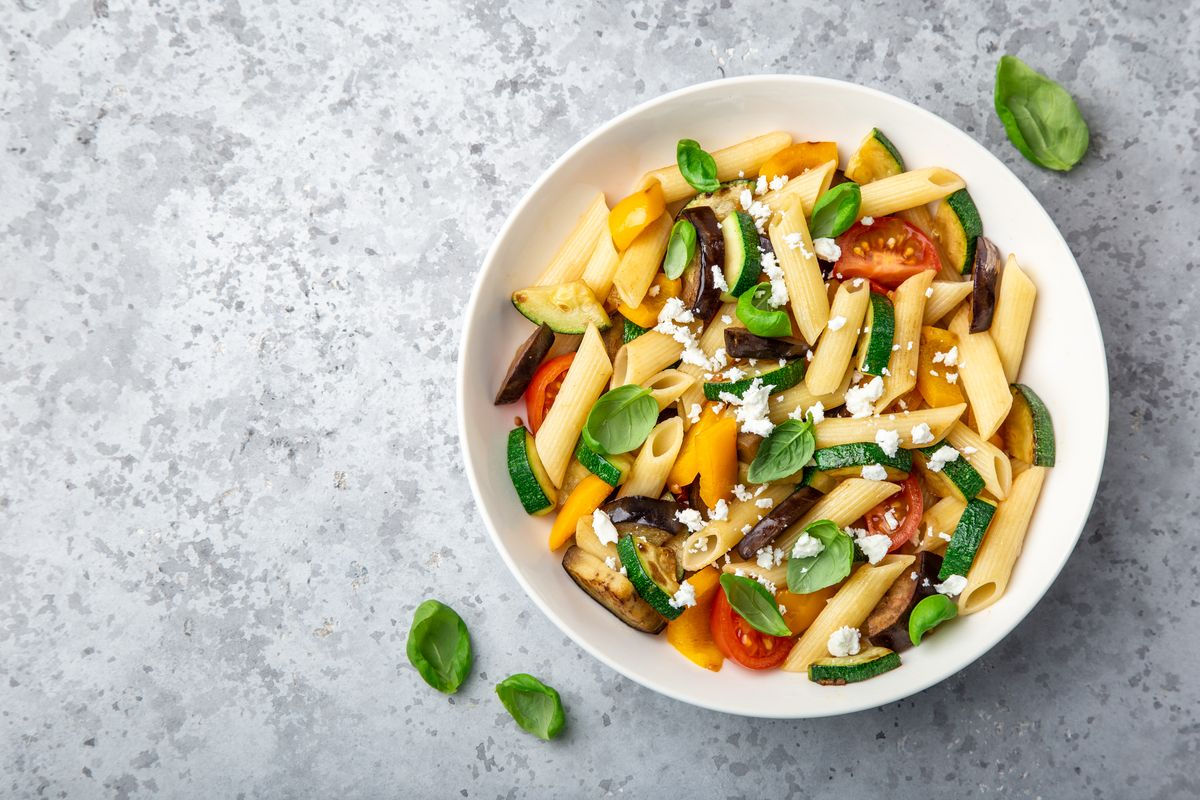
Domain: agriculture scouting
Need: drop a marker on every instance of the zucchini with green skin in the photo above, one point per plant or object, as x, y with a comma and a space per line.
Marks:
875, 158
611, 469
847, 460
743, 260
724, 201
879, 332
534, 488
964, 544
958, 226
565, 307
631, 331
956, 479
773, 375
1028, 430
653, 572
870, 663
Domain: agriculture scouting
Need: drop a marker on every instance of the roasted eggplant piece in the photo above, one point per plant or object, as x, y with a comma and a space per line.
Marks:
699, 293
611, 589
747, 447
645, 512
670, 412
741, 343
782, 517
520, 372
887, 625
985, 277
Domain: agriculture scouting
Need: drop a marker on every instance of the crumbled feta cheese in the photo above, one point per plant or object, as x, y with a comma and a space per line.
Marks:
764, 502
741, 173
943, 535
874, 472
606, 532
795, 241
766, 583
951, 357
867, 221
741, 493
895, 347
762, 487
783, 609
720, 511
728, 320
933, 372
941, 457
610, 562
719, 278
845, 641
929, 292
734, 374
694, 413
769, 557
747, 528
719, 359
752, 407
827, 249
874, 546
809, 355
968, 450
816, 411
685, 597
888, 441
778, 182
691, 518
952, 585
857, 283
760, 186
837, 323
759, 211
674, 321
860, 400
889, 517
807, 546
774, 273
921, 433
951, 377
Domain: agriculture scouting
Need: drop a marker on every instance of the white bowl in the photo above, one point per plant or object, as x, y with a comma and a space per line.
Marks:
1064, 363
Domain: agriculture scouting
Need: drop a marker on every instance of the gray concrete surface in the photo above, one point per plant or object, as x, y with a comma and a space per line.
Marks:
236, 239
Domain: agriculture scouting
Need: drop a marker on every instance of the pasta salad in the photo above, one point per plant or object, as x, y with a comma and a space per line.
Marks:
772, 404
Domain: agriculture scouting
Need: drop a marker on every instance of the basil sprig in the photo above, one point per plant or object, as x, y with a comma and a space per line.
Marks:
680, 249
928, 614
835, 211
535, 706
439, 646
753, 603
806, 575
784, 452
1040, 116
759, 317
620, 420
697, 167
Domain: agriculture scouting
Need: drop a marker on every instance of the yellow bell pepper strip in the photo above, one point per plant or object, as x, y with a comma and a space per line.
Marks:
802, 609
585, 498
689, 633
716, 452
793, 161
632, 215
937, 390
646, 315
687, 465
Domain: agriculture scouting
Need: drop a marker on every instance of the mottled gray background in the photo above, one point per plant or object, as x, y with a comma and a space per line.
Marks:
236, 240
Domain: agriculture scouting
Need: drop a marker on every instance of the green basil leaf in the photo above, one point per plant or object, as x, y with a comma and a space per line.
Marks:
835, 211
753, 603
680, 249
620, 420
697, 167
535, 706
759, 316
928, 614
439, 646
1040, 116
806, 575
784, 452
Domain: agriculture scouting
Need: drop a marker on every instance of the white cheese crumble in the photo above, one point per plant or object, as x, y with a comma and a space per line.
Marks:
889, 517
952, 585
874, 472
720, 511
921, 433
769, 557
719, 278
845, 641
760, 186
653, 291
691, 518
728, 320
951, 377
694, 413
867, 221
741, 493
941, 457
610, 562
606, 532
929, 292
888, 441
734, 374
685, 597
795, 241
759, 211
874, 546
774, 273
827, 249
673, 321
806, 546
778, 182
860, 400
968, 450
752, 408
764, 502
837, 323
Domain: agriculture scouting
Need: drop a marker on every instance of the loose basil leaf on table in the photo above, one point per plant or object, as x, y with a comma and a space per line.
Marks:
835, 211
806, 575
784, 452
681, 249
1040, 116
697, 167
928, 614
759, 316
535, 706
753, 603
620, 420
439, 646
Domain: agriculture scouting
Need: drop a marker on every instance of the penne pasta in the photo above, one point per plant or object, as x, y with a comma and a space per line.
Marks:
807, 187
1010, 320
707, 545
586, 539
848, 608
666, 386
710, 341
945, 297
741, 159
644, 357
800, 398
601, 268
648, 477
775, 574
938, 523
568, 263
982, 375
832, 354
843, 430
909, 303
640, 261
908, 189
801, 273
848, 501
583, 384
987, 459
988, 577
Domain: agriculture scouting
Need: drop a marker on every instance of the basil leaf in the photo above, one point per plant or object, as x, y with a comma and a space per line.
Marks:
439, 646
620, 420
1040, 116
835, 211
535, 706
928, 614
681, 249
784, 452
697, 167
805, 575
759, 316
753, 603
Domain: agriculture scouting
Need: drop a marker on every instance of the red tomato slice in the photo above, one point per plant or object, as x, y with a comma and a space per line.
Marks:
906, 507
889, 251
544, 388
737, 640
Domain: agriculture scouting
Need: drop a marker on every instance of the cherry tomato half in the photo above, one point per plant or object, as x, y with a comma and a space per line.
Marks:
889, 251
544, 388
906, 507
737, 640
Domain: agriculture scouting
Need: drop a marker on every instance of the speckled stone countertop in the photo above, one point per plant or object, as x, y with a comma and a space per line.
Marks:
236, 242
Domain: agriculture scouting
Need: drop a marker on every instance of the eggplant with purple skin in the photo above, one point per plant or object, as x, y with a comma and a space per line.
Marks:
644, 512
741, 343
524, 364
985, 277
887, 625
700, 294
782, 517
